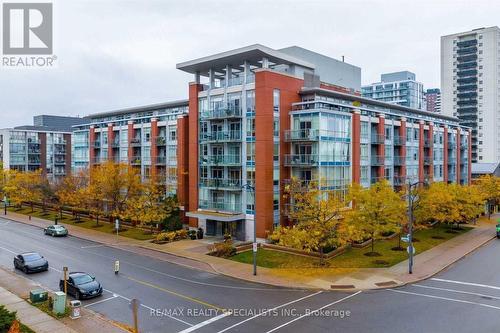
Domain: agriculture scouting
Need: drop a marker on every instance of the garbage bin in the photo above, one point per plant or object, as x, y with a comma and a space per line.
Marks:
59, 306
38, 295
75, 309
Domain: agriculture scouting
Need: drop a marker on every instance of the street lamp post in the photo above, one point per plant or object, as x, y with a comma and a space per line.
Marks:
4, 205
254, 245
411, 201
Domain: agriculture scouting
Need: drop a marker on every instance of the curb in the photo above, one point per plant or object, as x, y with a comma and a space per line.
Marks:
381, 285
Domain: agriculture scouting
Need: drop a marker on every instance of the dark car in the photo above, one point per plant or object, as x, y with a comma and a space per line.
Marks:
31, 262
81, 285
56, 230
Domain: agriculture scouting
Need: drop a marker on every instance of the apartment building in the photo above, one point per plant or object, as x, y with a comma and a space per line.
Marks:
433, 100
470, 76
259, 116
399, 88
30, 148
145, 137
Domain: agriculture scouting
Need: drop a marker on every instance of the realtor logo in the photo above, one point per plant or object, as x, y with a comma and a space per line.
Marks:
27, 28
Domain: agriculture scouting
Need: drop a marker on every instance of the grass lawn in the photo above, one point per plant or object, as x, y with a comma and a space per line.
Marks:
104, 225
45, 307
355, 258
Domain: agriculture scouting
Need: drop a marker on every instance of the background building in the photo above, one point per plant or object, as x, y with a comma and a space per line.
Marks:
433, 100
470, 75
399, 88
145, 137
259, 116
31, 147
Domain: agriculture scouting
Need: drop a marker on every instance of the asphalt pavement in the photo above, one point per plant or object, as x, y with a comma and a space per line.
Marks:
175, 298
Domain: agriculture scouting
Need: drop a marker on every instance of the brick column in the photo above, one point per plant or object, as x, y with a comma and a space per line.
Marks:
381, 147
91, 145
111, 139
445, 154
430, 136
402, 151
182, 163
130, 133
43, 153
469, 160
193, 167
67, 152
421, 155
356, 146
458, 156
154, 147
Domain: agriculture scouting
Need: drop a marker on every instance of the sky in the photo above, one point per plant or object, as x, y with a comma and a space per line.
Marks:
116, 54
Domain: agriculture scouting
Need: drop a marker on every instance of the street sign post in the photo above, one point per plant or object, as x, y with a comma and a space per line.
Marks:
408, 249
134, 306
254, 247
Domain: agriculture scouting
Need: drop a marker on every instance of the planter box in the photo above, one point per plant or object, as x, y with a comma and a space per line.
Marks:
361, 245
328, 255
390, 236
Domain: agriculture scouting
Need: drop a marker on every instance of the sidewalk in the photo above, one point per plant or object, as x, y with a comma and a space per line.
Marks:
14, 289
192, 254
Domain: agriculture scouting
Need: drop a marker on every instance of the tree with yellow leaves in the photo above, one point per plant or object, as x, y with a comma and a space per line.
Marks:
449, 203
151, 206
23, 187
317, 214
70, 192
111, 187
490, 187
376, 210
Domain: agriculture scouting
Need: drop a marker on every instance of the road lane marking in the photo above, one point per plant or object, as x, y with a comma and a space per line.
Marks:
101, 301
3, 248
445, 299
92, 246
312, 312
265, 312
206, 322
192, 299
456, 291
467, 283
147, 307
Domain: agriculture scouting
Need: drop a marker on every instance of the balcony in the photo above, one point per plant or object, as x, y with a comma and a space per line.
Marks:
115, 144
399, 140
452, 144
135, 142
305, 135
33, 151
427, 143
222, 160
399, 160
301, 160
98, 160
428, 160
33, 141
34, 161
161, 160
230, 111
399, 180
377, 139
324, 184
221, 183
452, 160
220, 206
377, 160
60, 142
59, 152
96, 144
221, 136
59, 161
161, 141
135, 160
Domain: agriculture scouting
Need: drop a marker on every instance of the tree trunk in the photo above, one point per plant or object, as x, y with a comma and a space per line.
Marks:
321, 257
97, 219
373, 242
32, 209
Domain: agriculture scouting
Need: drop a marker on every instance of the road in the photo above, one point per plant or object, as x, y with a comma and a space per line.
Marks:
175, 298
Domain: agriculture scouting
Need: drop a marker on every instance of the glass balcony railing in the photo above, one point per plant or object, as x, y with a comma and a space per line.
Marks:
220, 206
399, 160
378, 160
58, 161
161, 140
428, 160
399, 140
312, 135
377, 138
161, 160
221, 183
96, 144
136, 160
306, 160
221, 160
229, 111
135, 142
221, 136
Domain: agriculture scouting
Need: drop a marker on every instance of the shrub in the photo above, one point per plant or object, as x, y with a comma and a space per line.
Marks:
6, 319
192, 234
166, 236
223, 249
181, 234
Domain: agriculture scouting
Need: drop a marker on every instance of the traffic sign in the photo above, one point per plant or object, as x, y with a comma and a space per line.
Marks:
254, 247
405, 239
408, 249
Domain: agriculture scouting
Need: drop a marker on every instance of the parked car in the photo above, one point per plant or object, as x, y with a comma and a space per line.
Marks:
56, 230
31, 262
81, 285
